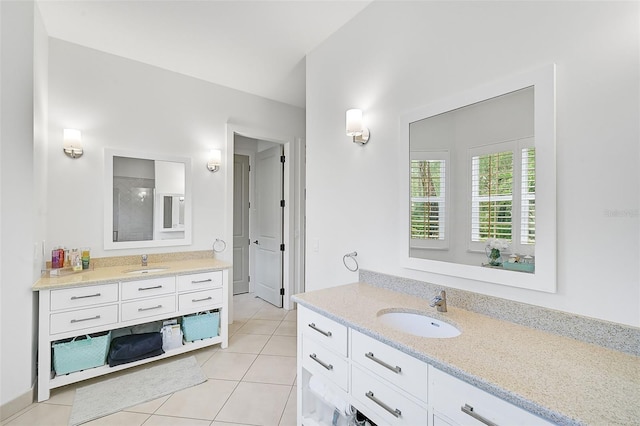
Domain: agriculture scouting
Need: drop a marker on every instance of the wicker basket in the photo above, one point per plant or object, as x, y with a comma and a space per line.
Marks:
200, 326
76, 355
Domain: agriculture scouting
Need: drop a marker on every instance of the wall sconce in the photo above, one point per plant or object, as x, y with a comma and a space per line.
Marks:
72, 143
215, 158
355, 128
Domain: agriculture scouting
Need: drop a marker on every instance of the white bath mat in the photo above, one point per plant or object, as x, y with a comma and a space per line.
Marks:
113, 395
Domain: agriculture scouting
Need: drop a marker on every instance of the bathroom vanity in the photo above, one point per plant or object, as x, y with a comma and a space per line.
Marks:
115, 297
494, 372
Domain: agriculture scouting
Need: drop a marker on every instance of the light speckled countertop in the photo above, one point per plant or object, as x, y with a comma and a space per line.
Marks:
119, 273
558, 378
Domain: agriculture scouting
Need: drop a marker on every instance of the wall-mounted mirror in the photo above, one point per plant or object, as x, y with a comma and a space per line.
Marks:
480, 183
147, 200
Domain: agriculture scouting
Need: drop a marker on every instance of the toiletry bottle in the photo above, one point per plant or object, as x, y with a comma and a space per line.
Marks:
55, 258
67, 259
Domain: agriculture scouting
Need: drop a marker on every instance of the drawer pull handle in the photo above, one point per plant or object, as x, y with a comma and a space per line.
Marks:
208, 280
84, 297
149, 309
73, 321
202, 300
326, 333
468, 410
393, 411
395, 369
149, 288
324, 364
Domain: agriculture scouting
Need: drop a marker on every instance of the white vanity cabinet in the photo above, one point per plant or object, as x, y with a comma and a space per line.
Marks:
389, 386
76, 311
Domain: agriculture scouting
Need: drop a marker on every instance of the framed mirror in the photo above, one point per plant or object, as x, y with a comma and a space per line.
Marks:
147, 200
479, 176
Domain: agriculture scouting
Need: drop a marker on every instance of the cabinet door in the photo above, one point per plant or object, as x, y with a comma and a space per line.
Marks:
200, 300
318, 359
83, 319
77, 297
148, 307
322, 329
386, 401
148, 287
404, 371
200, 281
465, 404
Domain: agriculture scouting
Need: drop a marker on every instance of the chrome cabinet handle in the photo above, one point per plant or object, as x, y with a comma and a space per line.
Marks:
84, 297
73, 321
149, 288
393, 411
149, 309
468, 410
395, 369
201, 300
326, 333
202, 281
324, 364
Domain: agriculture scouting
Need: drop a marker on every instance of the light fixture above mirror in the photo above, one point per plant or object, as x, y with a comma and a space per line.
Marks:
356, 128
72, 143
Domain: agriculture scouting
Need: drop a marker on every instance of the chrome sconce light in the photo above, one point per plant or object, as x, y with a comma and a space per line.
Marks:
72, 143
355, 128
215, 158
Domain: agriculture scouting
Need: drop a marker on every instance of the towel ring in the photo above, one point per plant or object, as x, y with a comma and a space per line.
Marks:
352, 256
219, 243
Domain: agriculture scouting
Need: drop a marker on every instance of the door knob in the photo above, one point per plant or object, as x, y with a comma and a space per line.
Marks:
256, 242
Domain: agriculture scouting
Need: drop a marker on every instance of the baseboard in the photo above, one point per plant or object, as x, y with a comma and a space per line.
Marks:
16, 405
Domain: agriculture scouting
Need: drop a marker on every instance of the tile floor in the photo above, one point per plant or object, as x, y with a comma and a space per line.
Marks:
252, 382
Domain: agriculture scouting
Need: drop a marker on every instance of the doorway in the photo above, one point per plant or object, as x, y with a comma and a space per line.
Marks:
283, 261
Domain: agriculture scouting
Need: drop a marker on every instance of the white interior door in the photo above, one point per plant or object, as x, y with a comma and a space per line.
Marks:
240, 224
269, 213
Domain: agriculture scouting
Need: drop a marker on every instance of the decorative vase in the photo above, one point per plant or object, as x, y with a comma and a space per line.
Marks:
493, 254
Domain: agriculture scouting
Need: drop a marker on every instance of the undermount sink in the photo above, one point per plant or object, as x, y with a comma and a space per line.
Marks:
146, 270
418, 325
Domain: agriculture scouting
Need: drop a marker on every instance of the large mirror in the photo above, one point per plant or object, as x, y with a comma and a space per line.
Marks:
147, 200
480, 193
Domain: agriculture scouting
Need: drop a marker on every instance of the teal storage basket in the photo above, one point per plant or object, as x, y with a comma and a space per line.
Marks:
82, 354
200, 326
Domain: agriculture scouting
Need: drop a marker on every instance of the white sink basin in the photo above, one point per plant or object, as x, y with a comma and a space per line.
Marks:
146, 270
418, 325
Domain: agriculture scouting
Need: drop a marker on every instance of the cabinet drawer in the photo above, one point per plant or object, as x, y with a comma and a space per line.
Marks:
402, 370
200, 299
323, 329
83, 319
83, 296
147, 288
386, 402
199, 281
450, 395
148, 307
317, 359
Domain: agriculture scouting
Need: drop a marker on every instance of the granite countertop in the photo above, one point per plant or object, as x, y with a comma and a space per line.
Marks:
563, 380
119, 273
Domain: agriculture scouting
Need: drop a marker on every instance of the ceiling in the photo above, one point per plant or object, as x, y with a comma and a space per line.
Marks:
257, 47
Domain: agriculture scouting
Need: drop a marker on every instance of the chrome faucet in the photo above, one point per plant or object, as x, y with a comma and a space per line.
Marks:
440, 300
144, 260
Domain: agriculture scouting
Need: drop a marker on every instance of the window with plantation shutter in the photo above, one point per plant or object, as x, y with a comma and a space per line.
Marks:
491, 196
528, 197
428, 199
503, 195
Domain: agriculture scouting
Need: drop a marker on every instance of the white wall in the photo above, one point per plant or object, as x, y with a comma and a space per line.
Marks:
123, 104
397, 56
23, 86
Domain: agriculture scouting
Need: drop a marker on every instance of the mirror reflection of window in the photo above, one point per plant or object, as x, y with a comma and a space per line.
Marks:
429, 199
